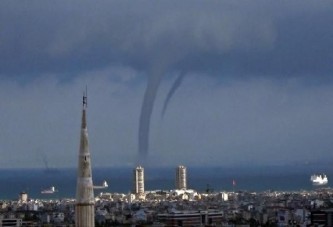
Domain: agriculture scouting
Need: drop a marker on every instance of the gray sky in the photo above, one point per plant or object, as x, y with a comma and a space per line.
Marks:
257, 86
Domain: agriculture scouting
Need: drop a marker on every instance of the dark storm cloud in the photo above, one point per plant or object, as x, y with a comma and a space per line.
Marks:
111, 44
241, 38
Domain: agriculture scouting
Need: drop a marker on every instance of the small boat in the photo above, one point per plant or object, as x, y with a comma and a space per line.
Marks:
104, 185
50, 190
319, 179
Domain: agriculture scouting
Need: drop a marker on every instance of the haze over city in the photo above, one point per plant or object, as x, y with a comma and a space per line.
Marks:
208, 83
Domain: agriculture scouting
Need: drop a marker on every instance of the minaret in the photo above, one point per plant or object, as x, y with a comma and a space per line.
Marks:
85, 203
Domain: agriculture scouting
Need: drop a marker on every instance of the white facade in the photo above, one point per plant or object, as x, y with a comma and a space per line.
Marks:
23, 197
139, 180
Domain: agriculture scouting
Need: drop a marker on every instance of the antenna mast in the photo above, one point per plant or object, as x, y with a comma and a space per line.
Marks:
85, 98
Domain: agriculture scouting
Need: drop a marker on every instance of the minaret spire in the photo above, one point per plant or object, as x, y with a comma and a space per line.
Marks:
85, 202
85, 98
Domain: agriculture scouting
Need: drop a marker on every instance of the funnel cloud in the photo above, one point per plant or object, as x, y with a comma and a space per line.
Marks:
153, 84
172, 91
258, 80
147, 107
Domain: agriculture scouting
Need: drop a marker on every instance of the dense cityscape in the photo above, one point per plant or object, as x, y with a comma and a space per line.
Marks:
201, 113
179, 207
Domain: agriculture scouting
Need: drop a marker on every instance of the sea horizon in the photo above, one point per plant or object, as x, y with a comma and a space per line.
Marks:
216, 178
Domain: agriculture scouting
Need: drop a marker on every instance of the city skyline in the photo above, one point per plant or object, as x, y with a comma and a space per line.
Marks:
252, 82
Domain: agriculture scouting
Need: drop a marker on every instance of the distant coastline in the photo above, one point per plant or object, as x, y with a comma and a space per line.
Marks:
14, 181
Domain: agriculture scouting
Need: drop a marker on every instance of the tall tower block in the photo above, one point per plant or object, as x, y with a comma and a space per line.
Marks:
85, 203
181, 177
138, 181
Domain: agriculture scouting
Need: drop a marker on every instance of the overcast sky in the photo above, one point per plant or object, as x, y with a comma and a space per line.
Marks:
255, 83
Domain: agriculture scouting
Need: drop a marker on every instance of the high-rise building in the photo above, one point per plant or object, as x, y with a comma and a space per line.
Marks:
181, 177
85, 203
23, 197
139, 180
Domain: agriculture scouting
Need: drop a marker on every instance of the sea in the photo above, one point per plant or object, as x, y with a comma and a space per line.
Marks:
120, 179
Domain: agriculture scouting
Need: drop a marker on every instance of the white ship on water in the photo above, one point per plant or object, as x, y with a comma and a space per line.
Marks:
104, 185
50, 190
319, 179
